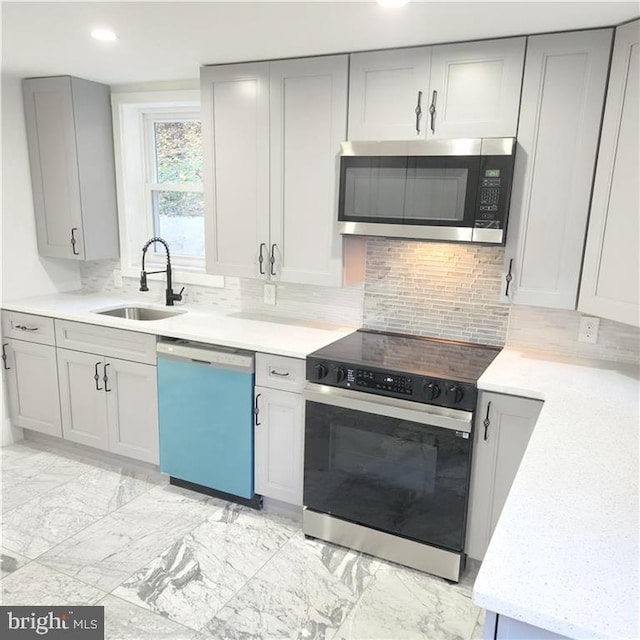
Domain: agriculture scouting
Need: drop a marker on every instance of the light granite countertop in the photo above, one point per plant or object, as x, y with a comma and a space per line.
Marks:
282, 337
565, 552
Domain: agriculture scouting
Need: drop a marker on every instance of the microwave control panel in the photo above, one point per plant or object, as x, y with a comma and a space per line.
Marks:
493, 193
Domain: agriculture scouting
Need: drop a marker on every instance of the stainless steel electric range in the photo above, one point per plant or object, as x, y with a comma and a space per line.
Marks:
388, 440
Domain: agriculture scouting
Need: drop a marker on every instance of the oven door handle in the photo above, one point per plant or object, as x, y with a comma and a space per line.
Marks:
452, 419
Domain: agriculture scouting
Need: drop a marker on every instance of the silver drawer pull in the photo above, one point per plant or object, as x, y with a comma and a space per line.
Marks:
273, 372
23, 327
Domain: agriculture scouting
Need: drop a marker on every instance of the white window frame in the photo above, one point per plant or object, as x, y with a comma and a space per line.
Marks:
133, 115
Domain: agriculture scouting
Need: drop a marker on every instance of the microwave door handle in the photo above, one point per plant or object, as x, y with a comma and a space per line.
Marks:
418, 112
432, 111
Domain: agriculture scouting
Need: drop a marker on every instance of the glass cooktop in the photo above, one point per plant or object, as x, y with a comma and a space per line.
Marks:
447, 359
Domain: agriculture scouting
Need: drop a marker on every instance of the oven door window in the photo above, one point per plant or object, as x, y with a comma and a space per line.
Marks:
390, 474
409, 190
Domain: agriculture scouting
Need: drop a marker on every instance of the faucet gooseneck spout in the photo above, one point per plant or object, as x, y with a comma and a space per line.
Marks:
170, 295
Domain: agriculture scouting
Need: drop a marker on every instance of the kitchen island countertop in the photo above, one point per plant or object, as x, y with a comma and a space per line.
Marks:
565, 552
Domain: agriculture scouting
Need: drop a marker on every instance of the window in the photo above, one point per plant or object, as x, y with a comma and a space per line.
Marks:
159, 171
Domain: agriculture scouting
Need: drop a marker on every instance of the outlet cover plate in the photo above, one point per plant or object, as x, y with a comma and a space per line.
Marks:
269, 293
588, 331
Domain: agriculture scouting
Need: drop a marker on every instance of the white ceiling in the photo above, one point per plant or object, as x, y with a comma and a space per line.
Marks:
165, 41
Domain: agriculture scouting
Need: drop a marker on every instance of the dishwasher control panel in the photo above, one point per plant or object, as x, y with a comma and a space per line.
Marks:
214, 355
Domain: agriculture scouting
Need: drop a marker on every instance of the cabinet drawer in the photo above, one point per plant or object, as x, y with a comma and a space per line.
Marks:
24, 326
279, 372
105, 341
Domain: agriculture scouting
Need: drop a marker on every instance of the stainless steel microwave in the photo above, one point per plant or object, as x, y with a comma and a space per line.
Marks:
448, 190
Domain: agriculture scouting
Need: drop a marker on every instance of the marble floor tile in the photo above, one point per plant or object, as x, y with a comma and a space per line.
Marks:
112, 549
407, 604
125, 621
305, 591
10, 561
24, 479
35, 584
200, 572
41, 523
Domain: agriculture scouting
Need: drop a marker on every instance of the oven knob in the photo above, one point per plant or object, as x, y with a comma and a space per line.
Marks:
321, 371
432, 390
341, 374
455, 393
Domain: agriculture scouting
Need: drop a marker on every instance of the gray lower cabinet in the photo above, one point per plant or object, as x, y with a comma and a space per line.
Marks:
109, 404
563, 92
499, 627
279, 427
70, 139
32, 385
503, 427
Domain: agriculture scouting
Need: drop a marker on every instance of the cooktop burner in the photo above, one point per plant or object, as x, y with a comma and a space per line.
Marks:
428, 370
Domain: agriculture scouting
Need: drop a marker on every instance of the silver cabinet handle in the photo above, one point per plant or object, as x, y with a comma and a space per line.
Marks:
105, 378
24, 327
418, 112
508, 278
486, 422
96, 375
73, 241
4, 356
261, 258
273, 372
272, 260
256, 411
432, 111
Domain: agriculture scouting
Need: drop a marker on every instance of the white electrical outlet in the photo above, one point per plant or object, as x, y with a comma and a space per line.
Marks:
117, 278
269, 293
588, 329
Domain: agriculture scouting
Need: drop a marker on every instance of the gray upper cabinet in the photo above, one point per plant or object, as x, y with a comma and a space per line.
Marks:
475, 89
70, 140
271, 138
467, 90
562, 98
610, 277
385, 89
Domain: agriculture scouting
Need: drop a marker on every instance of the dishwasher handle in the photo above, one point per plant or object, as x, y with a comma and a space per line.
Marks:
208, 355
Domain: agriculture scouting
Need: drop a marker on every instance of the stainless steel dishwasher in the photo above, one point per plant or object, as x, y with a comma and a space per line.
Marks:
205, 402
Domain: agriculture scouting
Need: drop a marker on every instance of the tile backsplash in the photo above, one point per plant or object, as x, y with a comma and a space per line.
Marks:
435, 289
331, 305
423, 288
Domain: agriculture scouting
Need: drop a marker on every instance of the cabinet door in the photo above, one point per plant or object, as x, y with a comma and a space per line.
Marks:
475, 89
51, 137
385, 89
32, 382
82, 398
279, 445
71, 155
235, 138
308, 100
562, 96
498, 451
131, 389
610, 276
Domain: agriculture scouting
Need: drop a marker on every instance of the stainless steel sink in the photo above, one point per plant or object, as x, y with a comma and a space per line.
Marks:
140, 313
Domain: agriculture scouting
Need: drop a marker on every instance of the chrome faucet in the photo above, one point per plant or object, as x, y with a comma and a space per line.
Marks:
171, 297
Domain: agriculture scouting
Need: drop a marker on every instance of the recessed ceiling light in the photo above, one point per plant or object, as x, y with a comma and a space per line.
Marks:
392, 3
106, 35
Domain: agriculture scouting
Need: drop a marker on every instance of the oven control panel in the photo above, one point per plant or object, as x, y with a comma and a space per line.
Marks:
384, 382
436, 391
